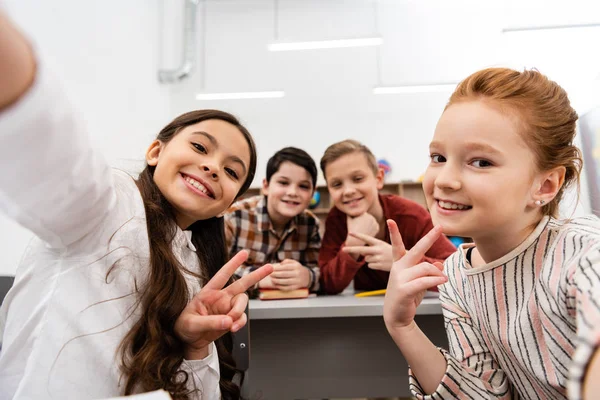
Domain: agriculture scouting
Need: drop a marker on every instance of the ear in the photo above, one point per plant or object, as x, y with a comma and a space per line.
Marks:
379, 178
265, 187
153, 152
548, 184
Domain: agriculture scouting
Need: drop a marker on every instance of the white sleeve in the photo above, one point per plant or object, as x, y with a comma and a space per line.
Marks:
52, 181
204, 376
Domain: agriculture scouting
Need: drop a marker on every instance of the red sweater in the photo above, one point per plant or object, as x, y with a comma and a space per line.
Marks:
339, 268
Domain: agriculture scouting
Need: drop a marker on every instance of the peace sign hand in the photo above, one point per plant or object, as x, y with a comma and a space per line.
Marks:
409, 278
215, 310
377, 253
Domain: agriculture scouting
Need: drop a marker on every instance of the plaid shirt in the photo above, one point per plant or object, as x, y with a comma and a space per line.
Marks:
248, 226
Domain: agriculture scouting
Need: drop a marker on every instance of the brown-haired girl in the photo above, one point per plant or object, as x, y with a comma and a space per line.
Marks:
123, 291
522, 302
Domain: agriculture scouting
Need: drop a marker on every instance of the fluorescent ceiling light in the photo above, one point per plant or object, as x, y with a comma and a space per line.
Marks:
446, 87
240, 95
326, 44
549, 27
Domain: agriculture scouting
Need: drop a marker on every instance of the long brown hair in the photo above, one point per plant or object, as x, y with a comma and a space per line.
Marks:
151, 352
547, 120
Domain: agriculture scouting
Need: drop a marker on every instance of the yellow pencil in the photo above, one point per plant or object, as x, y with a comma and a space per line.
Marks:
371, 293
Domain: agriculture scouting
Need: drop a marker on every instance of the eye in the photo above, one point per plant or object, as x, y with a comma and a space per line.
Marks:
232, 173
358, 178
283, 183
335, 184
481, 163
199, 147
437, 158
306, 187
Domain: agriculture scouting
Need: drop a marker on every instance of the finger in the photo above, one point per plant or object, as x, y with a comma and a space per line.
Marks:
373, 259
439, 265
398, 249
365, 238
362, 250
195, 324
421, 270
420, 285
375, 265
283, 274
284, 281
415, 255
238, 306
248, 281
239, 324
284, 267
222, 277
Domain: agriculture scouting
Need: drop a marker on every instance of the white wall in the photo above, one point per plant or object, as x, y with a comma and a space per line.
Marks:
108, 54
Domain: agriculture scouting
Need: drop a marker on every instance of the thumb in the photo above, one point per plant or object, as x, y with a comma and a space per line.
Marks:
439, 265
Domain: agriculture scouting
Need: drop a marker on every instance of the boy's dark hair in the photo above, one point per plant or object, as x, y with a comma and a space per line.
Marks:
293, 155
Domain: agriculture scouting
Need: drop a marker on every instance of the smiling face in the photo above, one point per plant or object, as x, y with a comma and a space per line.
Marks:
482, 175
353, 185
201, 169
288, 193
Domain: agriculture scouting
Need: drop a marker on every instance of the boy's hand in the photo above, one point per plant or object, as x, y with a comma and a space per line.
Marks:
365, 224
409, 278
215, 310
290, 275
377, 253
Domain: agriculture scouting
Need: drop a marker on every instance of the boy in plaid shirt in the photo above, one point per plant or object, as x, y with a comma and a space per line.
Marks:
276, 227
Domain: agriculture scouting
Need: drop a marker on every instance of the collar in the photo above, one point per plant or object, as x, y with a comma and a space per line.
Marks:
183, 239
264, 221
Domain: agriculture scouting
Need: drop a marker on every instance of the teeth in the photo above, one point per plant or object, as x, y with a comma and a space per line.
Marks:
197, 185
452, 206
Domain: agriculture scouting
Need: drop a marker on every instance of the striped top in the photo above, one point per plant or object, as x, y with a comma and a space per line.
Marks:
526, 325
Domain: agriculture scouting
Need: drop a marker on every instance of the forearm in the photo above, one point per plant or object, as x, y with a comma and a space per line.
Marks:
428, 365
338, 271
17, 64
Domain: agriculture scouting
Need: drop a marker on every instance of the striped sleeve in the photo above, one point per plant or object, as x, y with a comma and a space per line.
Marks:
472, 372
584, 286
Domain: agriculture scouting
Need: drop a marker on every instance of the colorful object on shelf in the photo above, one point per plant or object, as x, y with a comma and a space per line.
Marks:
456, 240
384, 165
316, 199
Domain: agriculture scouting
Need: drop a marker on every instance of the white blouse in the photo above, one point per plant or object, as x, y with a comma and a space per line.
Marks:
63, 320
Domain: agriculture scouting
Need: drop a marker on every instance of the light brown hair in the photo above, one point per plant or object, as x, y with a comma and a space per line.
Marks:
546, 119
344, 147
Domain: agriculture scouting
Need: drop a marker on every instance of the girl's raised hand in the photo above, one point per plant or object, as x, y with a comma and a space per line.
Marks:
409, 278
217, 309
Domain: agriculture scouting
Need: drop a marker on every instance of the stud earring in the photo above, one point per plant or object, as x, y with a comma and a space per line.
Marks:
539, 202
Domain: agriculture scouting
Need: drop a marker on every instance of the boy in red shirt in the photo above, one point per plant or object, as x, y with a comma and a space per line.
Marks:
356, 244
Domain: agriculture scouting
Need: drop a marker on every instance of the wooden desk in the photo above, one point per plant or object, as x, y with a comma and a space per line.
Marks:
329, 346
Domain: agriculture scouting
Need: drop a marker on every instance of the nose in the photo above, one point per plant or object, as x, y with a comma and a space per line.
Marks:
348, 190
448, 177
211, 170
292, 190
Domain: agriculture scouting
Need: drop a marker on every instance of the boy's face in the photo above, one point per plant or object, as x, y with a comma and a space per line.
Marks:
352, 184
288, 193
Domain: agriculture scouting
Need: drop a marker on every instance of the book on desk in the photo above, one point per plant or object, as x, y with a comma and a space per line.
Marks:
276, 294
